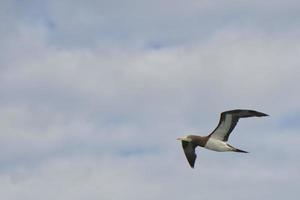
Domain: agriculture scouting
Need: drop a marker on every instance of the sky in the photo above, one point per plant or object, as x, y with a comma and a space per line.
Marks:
95, 93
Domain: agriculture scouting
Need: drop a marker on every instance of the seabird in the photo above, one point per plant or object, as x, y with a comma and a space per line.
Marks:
217, 140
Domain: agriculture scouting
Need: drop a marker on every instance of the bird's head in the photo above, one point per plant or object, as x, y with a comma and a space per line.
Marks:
185, 138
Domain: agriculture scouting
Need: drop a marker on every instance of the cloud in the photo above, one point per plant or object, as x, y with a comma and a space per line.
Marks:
150, 24
135, 22
100, 120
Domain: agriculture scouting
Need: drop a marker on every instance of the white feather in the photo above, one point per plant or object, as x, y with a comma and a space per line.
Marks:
217, 145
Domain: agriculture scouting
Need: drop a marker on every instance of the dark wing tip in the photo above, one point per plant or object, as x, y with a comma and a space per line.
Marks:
246, 113
260, 114
192, 163
191, 159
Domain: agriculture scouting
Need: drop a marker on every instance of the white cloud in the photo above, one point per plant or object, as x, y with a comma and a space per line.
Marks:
86, 122
156, 23
158, 176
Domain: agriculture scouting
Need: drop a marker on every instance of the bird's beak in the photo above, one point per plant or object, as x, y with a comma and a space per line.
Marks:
179, 138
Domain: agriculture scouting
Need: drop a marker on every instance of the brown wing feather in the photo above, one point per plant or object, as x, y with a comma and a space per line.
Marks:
228, 121
189, 151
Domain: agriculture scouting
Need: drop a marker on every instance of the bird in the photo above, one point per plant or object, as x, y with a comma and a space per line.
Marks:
217, 140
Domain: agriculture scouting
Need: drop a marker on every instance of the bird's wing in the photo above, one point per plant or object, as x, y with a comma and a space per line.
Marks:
228, 121
189, 151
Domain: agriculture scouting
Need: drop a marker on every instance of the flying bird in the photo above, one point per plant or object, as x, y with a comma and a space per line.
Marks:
217, 140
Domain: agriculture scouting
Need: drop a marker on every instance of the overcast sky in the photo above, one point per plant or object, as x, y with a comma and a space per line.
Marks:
95, 93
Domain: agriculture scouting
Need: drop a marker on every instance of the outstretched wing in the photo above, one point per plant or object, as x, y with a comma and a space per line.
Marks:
228, 121
189, 151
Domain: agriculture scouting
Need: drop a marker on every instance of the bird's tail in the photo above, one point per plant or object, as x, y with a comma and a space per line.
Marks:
240, 151
237, 150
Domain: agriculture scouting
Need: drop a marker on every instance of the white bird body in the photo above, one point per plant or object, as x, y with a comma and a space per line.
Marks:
217, 145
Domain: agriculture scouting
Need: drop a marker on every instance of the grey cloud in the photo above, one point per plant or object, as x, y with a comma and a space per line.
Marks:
136, 23
83, 122
126, 178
